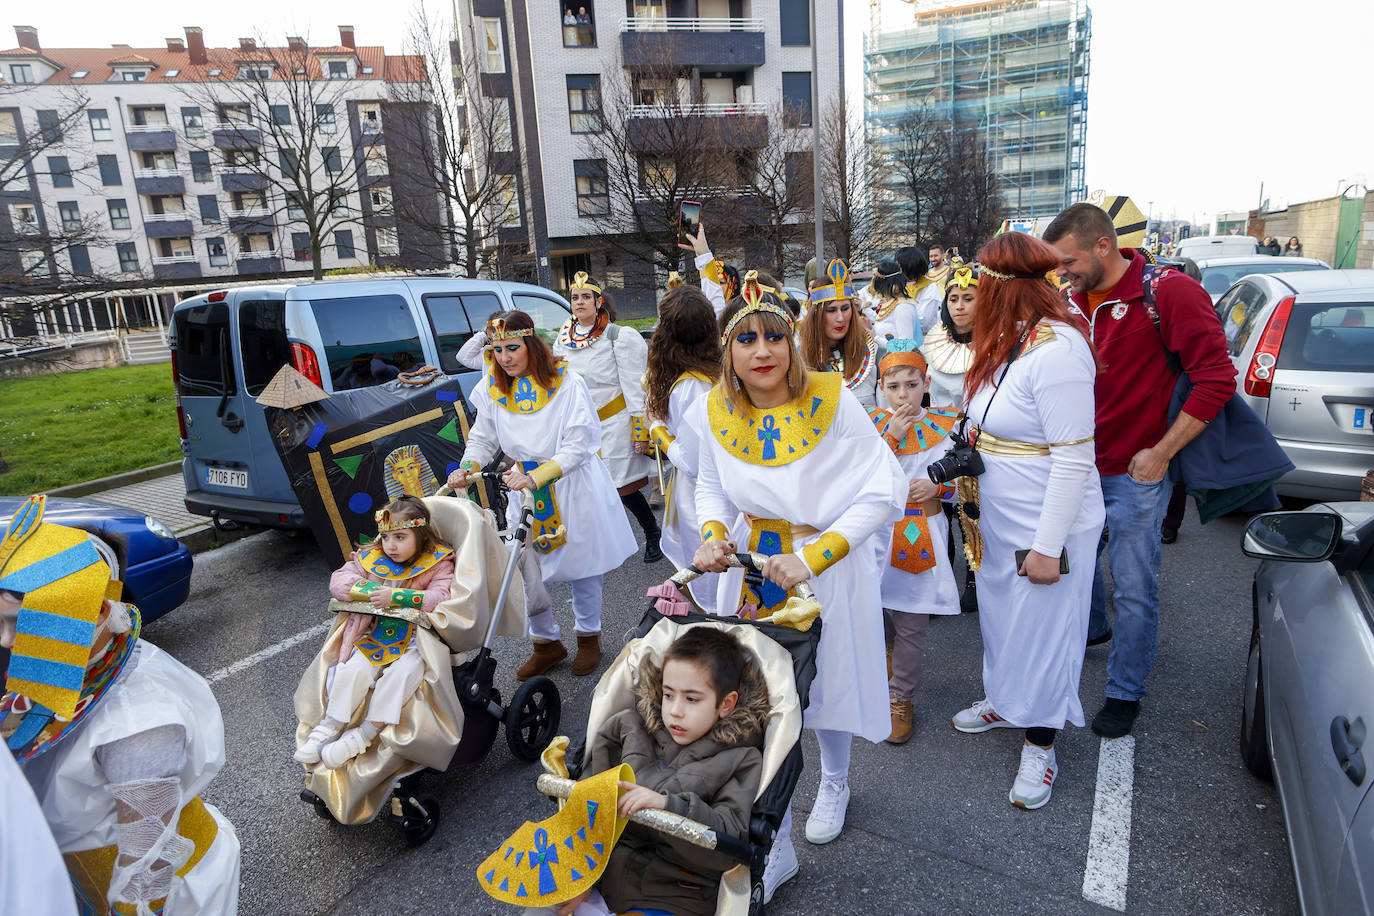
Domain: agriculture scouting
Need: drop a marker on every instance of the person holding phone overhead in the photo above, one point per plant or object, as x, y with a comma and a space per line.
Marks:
719, 281
612, 364
1037, 494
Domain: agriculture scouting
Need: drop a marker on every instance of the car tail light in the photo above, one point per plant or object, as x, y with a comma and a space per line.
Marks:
1259, 378
181, 414
217, 296
304, 361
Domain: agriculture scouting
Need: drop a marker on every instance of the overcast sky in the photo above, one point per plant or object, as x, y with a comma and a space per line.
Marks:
1192, 103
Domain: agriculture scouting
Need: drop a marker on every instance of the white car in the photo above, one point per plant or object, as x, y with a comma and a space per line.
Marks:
1208, 246
1221, 273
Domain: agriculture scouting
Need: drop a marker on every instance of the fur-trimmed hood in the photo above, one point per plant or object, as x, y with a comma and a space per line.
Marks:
743, 727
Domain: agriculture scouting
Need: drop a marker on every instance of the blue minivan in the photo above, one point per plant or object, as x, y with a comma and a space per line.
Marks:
227, 345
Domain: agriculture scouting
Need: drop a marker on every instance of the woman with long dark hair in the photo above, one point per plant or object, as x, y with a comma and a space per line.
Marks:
835, 339
540, 414
1033, 536
684, 362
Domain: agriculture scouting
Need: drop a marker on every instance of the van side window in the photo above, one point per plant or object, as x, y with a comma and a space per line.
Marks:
368, 340
547, 314
453, 318
263, 345
204, 358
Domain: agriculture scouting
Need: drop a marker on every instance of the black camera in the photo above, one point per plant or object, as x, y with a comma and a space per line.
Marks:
963, 460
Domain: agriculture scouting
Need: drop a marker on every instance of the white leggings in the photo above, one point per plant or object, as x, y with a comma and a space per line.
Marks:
395, 684
586, 602
834, 766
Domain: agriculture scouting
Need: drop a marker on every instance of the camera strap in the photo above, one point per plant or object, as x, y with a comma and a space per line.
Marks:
997, 386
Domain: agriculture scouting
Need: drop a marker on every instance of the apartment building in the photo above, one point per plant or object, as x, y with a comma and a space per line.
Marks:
1015, 70
169, 166
731, 63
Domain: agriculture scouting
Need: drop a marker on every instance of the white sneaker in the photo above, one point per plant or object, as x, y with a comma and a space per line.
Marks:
782, 867
349, 745
1035, 779
309, 752
827, 817
979, 717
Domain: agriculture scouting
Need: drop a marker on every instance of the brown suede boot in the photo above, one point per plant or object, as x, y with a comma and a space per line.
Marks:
901, 721
588, 653
546, 655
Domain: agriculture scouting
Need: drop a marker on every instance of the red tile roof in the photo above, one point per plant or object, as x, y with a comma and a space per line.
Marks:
98, 63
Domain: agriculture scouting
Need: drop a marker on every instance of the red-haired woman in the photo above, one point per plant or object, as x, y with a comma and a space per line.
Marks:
1038, 500
541, 415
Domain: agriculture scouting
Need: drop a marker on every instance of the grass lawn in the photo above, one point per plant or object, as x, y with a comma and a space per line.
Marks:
68, 427
638, 324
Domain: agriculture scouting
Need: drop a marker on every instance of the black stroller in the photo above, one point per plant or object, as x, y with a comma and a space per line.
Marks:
531, 718
779, 647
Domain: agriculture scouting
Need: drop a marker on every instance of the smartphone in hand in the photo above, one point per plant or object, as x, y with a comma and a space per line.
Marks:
688, 222
1063, 561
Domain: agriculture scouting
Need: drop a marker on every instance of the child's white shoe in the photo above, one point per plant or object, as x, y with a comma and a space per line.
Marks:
309, 752
349, 745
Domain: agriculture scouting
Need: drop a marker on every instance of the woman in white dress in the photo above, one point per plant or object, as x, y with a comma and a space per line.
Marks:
684, 361
540, 414
834, 338
611, 360
895, 315
1039, 505
791, 466
948, 347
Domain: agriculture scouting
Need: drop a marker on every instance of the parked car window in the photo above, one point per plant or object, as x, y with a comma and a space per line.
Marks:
548, 315
1238, 310
1217, 280
368, 340
262, 343
1331, 336
203, 354
453, 317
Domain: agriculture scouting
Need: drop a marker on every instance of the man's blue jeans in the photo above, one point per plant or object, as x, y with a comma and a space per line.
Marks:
1135, 511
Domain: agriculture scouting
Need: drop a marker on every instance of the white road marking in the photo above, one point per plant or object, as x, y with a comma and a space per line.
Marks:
1109, 844
244, 664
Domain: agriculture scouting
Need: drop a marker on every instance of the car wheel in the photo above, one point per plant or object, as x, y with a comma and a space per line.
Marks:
1254, 736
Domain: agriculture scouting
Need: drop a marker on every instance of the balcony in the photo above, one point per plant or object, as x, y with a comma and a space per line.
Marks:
258, 262
251, 220
723, 125
237, 178
179, 266
167, 226
159, 181
236, 135
710, 44
150, 137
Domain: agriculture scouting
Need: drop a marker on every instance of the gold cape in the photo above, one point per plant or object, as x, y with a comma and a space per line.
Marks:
432, 720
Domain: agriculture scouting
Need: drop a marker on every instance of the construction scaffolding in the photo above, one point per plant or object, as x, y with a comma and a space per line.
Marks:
1016, 70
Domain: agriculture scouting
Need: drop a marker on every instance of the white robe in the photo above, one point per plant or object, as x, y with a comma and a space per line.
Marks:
1034, 635
613, 369
928, 301
902, 323
932, 591
152, 690
849, 483
33, 878
681, 529
565, 431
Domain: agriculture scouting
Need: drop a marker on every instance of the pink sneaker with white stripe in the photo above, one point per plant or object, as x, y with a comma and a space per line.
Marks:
979, 717
1035, 778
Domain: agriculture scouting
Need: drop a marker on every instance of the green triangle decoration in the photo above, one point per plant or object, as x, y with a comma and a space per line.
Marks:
365, 539
450, 432
350, 465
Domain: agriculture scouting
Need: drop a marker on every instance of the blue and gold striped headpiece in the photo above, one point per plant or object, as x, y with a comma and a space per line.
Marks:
753, 293
63, 581
837, 284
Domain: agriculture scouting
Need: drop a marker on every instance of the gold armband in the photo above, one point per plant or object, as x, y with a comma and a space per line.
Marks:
825, 551
407, 597
362, 591
714, 531
662, 438
638, 432
546, 474
715, 272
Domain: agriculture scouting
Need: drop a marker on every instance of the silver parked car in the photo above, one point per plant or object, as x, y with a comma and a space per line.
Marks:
1308, 706
1220, 274
1303, 346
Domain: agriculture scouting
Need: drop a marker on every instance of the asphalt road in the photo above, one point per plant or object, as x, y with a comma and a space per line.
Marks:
929, 827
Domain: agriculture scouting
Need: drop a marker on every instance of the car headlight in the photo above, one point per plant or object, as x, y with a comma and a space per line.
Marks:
158, 528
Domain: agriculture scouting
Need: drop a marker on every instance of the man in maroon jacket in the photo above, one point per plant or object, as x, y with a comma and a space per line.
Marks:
1135, 440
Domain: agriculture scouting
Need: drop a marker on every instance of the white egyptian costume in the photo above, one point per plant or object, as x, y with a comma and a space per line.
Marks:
117, 746
948, 353
611, 361
1039, 490
926, 293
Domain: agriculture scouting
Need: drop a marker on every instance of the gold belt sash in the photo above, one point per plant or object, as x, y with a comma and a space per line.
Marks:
613, 407
989, 444
91, 869
772, 536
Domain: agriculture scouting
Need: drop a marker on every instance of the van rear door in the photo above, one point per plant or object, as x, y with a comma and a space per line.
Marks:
263, 349
218, 453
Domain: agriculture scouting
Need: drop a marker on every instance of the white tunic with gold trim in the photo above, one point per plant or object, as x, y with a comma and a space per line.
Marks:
613, 370
554, 435
819, 482
679, 440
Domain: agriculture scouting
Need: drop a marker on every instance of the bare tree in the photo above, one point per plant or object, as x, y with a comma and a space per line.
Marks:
278, 122
780, 190
855, 223
967, 207
912, 165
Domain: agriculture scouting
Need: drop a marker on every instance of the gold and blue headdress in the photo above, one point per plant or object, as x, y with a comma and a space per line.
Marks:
837, 284
497, 330
582, 281
755, 299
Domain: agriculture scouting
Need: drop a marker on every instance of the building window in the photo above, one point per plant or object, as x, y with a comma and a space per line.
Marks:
9, 130
129, 76
294, 210
370, 118
796, 23
209, 208
494, 56
290, 163
100, 124
300, 245
119, 214
109, 170
387, 245
149, 115
241, 159
21, 73
592, 196
579, 31
796, 99
128, 257
657, 174
584, 103
60, 171
380, 198
333, 163
49, 127
343, 244
172, 73
35, 264
25, 218
500, 125
374, 161
193, 123
338, 69
507, 202
255, 73
281, 114
324, 118
200, 166
70, 213
81, 259
219, 257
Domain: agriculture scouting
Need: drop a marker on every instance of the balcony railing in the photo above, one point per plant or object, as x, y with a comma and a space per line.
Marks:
250, 212
681, 24
254, 255
234, 125
707, 109
704, 193
157, 173
176, 257
148, 128
165, 217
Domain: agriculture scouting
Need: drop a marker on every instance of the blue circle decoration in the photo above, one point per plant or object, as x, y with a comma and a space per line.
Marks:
360, 503
452, 466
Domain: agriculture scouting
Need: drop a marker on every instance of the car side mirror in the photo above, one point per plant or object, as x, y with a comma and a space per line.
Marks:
1297, 537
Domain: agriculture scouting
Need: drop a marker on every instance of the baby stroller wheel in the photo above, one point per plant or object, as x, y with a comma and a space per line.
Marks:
419, 818
310, 798
532, 718
756, 897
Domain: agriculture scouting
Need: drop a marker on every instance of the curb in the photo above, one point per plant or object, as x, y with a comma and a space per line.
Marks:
205, 537
89, 487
